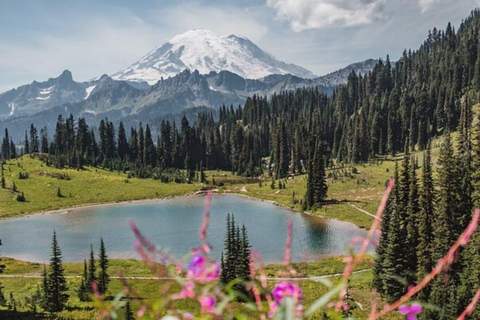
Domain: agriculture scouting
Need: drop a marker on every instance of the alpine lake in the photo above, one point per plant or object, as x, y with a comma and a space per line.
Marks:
173, 225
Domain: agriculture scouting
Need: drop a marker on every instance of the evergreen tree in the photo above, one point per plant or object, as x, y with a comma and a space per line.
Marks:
411, 225
128, 311
34, 144
45, 289
122, 143
443, 224
379, 275
3, 182
103, 277
26, 144
425, 262
56, 293
2, 269
316, 182
235, 262
92, 269
83, 290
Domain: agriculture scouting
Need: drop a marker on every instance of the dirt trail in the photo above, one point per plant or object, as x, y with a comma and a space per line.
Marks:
309, 278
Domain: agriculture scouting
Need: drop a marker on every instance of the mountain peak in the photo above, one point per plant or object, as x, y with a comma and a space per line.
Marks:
205, 51
66, 75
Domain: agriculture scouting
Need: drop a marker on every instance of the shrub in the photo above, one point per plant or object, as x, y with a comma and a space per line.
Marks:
21, 197
23, 175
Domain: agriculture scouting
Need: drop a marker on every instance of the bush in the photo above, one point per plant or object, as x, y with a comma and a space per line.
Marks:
21, 197
23, 175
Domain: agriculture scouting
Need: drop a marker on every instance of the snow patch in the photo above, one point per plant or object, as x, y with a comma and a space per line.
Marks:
12, 108
91, 112
43, 98
47, 90
89, 91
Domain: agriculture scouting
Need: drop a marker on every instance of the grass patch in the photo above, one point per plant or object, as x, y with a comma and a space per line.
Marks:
22, 288
78, 187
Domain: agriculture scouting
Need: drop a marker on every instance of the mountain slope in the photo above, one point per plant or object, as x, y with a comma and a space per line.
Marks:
39, 96
205, 51
340, 77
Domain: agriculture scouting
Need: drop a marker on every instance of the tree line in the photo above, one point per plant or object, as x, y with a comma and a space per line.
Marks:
422, 220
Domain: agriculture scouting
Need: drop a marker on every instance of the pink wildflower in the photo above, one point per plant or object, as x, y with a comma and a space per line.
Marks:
286, 289
411, 311
202, 270
188, 291
188, 316
207, 303
197, 266
283, 290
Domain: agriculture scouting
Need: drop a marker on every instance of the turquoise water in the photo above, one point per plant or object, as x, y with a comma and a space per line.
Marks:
174, 226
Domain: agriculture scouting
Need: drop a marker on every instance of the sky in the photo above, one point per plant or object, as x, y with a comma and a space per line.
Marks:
40, 39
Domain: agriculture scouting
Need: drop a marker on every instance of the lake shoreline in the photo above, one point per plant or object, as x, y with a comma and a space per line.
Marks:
96, 205
198, 193
294, 210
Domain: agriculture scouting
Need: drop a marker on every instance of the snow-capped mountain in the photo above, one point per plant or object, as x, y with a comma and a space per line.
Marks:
205, 51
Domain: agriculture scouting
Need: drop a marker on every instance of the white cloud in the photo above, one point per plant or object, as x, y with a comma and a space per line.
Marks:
320, 14
92, 46
426, 5
220, 19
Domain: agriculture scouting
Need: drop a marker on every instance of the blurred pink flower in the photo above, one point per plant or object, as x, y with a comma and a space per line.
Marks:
283, 290
411, 311
197, 266
207, 303
188, 291
202, 270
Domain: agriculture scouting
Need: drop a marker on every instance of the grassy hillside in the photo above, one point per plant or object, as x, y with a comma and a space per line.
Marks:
350, 188
89, 186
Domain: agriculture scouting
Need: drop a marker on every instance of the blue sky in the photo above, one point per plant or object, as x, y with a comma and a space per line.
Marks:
39, 39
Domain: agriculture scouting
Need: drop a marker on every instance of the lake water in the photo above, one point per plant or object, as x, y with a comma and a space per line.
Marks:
173, 224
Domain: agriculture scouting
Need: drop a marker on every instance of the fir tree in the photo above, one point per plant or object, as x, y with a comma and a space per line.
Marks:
26, 144
443, 224
379, 268
390, 265
411, 222
235, 262
92, 269
83, 290
44, 288
425, 262
56, 293
128, 311
2, 269
316, 183
103, 277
